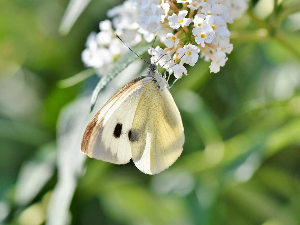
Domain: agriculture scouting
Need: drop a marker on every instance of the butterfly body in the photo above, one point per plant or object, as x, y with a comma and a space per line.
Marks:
140, 122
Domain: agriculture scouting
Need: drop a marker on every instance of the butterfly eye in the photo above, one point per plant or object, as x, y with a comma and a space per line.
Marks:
118, 130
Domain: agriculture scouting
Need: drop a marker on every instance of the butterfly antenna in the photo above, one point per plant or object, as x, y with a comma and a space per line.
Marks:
164, 66
151, 52
175, 63
160, 57
156, 63
167, 62
132, 50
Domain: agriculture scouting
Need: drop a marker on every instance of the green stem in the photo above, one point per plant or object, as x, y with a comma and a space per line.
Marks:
286, 12
272, 33
274, 15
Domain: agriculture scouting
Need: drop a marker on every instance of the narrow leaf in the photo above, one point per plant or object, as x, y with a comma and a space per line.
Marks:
79, 77
74, 10
118, 67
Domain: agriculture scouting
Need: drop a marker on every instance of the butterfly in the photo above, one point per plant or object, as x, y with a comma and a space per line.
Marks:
140, 122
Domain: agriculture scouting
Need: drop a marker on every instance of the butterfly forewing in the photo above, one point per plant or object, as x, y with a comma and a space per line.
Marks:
107, 135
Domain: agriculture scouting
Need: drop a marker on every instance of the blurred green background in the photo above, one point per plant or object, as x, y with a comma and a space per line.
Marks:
241, 158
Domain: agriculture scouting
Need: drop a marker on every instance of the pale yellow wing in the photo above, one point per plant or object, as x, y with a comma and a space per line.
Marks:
157, 134
107, 135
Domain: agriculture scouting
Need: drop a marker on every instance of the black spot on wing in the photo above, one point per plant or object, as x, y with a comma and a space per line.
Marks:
132, 136
129, 135
118, 130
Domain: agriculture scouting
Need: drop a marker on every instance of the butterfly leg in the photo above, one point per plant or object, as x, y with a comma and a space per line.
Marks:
165, 75
175, 82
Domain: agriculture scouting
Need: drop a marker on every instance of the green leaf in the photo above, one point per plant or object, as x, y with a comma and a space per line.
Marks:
79, 77
74, 10
117, 68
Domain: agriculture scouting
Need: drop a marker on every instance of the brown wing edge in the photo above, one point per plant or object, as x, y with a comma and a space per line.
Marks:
90, 127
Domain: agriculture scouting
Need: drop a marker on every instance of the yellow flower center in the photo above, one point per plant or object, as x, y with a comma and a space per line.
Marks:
199, 24
208, 13
174, 38
202, 35
194, 5
180, 21
189, 53
213, 27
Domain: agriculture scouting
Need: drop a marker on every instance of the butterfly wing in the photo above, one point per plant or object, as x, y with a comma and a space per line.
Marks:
107, 135
157, 134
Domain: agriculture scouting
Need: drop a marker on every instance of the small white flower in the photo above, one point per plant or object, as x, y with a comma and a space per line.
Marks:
194, 5
223, 11
218, 2
171, 41
205, 8
204, 34
176, 21
219, 60
91, 42
152, 14
116, 48
104, 37
189, 54
211, 2
223, 44
153, 23
124, 16
105, 25
198, 20
130, 37
96, 58
179, 70
184, 1
218, 25
148, 36
156, 10
217, 9
158, 55
162, 33
238, 7
166, 8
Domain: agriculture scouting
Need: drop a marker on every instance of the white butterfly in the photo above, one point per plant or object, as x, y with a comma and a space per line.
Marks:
140, 122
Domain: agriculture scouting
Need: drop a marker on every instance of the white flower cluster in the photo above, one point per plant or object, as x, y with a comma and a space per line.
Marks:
103, 48
188, 29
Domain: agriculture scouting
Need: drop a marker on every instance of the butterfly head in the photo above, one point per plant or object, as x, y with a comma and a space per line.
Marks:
152, 67
157, 77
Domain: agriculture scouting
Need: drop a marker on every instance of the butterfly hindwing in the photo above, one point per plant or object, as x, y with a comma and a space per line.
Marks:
107, 135
157, 135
